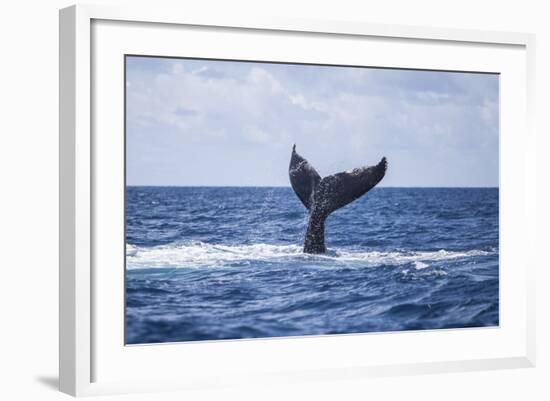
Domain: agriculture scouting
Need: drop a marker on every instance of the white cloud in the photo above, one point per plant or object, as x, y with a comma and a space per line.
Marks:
341, 118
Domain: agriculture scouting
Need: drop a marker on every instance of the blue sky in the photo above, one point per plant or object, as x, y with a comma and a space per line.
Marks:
200, 122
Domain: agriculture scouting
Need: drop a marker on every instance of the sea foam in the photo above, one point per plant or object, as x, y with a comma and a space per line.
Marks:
199, 254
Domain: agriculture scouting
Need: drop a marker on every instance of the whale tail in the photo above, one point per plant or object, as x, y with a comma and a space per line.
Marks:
322, 196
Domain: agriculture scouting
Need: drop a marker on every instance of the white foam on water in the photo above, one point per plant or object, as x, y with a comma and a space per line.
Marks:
199, 254
418, 265
131, 250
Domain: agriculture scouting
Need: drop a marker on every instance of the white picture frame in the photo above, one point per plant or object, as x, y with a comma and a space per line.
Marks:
85, 329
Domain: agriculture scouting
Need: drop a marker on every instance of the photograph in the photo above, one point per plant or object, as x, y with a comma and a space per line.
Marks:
274, 200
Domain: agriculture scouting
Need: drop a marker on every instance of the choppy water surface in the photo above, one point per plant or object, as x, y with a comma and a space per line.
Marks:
226, 263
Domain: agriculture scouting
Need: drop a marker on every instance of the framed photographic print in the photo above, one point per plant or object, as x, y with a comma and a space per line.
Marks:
277, 200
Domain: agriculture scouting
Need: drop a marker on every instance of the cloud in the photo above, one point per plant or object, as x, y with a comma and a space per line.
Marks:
250, 113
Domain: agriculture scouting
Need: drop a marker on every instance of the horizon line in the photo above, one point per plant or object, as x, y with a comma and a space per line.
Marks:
288, 186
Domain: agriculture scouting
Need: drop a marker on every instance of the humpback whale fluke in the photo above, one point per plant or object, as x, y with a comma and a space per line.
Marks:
322, 196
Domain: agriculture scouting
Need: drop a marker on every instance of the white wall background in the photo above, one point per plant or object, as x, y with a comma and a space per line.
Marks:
29, 186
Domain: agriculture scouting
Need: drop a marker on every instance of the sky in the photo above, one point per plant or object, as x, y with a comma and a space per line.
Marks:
193, 122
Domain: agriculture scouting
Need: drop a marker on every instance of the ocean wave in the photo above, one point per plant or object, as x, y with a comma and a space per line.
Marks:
200, 254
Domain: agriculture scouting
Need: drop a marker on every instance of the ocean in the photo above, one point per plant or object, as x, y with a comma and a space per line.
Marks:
212, 263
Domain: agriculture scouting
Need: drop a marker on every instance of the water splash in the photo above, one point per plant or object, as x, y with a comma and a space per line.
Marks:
199, 254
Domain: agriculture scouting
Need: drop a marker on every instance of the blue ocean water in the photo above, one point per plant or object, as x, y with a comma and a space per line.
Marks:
207, 263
